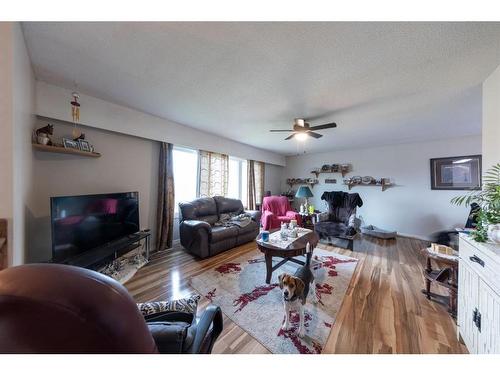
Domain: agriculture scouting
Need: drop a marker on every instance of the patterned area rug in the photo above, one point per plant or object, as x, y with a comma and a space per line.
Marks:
239, 288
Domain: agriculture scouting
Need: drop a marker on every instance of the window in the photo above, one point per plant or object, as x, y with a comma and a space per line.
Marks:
237, 183
185, 163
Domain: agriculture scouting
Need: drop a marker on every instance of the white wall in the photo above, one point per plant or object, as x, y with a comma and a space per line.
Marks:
491, 120
411, 207
272, 178
6, 129
127, 164
17, 96
23, 122
52, 102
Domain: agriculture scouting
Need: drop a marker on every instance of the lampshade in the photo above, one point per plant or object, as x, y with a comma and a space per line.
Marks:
304, 192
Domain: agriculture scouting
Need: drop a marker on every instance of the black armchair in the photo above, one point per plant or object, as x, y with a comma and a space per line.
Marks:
340, 220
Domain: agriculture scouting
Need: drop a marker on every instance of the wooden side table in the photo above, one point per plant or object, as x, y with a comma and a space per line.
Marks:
447, 277
308, 220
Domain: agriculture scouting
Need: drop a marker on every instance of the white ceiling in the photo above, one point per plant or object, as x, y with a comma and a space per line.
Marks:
381, 83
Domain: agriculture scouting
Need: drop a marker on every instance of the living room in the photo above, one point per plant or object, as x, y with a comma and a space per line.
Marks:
252, 192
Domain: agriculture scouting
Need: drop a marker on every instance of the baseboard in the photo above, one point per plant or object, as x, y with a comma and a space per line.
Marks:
414, 236
175, 243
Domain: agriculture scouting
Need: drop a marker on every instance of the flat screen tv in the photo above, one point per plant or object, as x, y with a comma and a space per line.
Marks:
85, 222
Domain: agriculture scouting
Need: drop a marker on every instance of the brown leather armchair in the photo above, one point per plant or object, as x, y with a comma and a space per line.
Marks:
54, 308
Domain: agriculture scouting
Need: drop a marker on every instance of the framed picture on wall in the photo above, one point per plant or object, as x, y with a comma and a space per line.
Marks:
456, 173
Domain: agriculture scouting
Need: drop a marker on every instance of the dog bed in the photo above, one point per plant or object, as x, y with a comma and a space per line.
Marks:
372, 230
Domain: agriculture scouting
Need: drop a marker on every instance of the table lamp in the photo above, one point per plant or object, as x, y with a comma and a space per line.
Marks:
304, 192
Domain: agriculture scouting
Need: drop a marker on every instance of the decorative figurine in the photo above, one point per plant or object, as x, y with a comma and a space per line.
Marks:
44, 133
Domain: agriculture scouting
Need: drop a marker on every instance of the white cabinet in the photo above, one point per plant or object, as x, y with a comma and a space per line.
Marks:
479, 296
468, 286
489, 307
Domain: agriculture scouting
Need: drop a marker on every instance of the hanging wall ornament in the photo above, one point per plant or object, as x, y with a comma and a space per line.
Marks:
75, 107
75, 112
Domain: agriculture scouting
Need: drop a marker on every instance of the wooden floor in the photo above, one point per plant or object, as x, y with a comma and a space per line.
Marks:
383, 310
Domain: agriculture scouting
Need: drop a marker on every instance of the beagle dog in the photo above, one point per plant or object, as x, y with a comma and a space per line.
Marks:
295, 291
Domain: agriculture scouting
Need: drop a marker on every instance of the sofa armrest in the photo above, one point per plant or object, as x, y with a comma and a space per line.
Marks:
267, 214
352, 221
197, 224
208, 329
255, 215
292, 214
192, 227
322, 216
195, 235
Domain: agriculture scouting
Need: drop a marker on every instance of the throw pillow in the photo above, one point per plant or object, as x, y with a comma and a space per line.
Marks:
187, 305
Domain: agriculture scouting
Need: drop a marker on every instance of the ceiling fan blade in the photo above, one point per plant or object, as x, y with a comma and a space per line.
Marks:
281, 130
314, 135
325, 126
290, 136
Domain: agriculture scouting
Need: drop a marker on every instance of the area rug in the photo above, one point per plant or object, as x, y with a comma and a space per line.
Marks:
239, 288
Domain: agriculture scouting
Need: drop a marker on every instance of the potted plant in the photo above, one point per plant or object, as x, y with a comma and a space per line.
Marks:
488, 199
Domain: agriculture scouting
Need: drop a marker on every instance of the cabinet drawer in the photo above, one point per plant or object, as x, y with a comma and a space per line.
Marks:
485, 266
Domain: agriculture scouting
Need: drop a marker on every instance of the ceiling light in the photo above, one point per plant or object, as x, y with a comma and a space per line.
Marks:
299, 122
461, 161
301, 136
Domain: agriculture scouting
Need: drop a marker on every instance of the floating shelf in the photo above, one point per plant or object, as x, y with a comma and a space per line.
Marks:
311, 184
63, 150
384, 185
340, 170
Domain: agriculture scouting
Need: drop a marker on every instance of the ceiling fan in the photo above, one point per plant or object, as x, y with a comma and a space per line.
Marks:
301, 130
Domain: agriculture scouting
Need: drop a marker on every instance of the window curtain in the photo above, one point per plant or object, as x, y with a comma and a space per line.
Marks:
255, 189
213, 174
166, 199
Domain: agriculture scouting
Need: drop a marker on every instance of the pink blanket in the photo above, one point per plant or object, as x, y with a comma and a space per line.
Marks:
277, 210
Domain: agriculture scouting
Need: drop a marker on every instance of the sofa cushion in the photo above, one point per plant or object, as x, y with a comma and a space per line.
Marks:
329, 228
228, 205
203, 209
223, 233
251, 227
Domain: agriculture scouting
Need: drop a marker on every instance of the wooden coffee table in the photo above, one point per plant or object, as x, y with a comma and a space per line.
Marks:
296, 248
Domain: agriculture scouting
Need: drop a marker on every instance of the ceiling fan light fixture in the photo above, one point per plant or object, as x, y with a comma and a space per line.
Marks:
301, 136
299, 122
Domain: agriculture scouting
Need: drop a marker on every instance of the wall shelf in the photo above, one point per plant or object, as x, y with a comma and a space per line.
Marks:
383, 185
342, 169
301, 181
63, 150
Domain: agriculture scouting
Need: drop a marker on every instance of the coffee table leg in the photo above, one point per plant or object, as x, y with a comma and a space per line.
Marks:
269, 268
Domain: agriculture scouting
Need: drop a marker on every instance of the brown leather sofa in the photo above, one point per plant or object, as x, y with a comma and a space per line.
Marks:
54, 308
198, 233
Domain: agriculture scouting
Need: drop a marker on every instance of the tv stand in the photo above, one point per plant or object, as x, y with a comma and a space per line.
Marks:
111, 250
